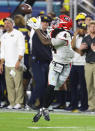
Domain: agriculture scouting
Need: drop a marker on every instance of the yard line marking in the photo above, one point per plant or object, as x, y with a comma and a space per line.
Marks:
53, 127
74, 127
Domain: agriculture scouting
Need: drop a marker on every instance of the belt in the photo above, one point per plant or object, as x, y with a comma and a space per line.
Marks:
59, 63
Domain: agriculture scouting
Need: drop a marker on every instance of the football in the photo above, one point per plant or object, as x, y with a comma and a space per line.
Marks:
25, 8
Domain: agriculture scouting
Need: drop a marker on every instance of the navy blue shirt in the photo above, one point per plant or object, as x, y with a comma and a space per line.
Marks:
40, 51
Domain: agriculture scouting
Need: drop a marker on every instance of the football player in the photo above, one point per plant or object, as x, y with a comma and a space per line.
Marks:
60, 65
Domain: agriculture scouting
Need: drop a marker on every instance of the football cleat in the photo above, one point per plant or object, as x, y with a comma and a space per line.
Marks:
37, 116
46, 114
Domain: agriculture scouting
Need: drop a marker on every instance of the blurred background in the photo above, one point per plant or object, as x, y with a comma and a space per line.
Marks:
68, 7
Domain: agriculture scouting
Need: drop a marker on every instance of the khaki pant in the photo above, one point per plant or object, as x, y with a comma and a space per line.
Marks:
14, 86
90, 81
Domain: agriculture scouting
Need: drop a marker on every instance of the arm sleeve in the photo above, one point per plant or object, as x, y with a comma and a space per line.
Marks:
21, 44
58, 42
61, 40
43, 38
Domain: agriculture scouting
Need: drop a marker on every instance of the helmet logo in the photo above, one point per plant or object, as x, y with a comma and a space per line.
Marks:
66, 18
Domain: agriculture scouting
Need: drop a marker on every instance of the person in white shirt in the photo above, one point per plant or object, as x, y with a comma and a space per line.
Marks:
77, 81
3, 92
12, 52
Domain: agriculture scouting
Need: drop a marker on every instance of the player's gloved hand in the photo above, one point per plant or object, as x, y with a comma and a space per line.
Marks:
34, 23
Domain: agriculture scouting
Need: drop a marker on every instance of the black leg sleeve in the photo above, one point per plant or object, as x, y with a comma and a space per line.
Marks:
48, 97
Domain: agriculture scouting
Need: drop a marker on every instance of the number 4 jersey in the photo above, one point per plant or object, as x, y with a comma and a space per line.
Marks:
62, 44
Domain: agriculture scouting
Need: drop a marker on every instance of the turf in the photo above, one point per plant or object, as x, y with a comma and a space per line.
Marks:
22, 121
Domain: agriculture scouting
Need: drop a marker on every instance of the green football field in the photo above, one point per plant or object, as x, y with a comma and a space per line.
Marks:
22, 121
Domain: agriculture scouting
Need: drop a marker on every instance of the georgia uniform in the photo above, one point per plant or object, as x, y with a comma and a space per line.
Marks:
60, 65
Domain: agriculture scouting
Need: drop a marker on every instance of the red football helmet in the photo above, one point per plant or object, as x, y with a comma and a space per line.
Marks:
65, 22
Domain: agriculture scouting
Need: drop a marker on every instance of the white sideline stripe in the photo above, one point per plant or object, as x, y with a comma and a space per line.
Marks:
53, 127
62, 128
55, 112
57, 118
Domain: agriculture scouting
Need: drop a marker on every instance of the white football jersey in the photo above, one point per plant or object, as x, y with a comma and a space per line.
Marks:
62, 44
